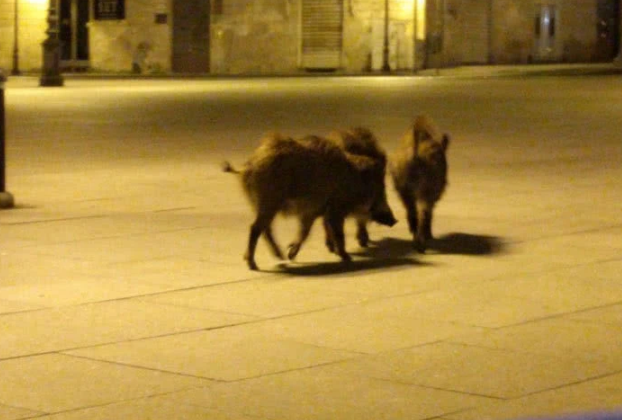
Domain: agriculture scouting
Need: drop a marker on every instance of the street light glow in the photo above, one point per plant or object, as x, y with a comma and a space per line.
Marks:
420, 13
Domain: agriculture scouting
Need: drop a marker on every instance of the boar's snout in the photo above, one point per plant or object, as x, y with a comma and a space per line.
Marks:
384, 218
380, 212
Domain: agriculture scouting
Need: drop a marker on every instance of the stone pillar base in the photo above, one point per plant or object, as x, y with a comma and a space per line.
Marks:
6, 200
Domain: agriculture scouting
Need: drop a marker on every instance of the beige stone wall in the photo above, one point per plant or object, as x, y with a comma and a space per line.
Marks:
115, 45
578, 30
32, 24
513, 35
255, 36
263, 36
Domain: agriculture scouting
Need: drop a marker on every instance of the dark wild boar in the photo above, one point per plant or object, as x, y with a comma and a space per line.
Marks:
361, 141
309, 178
419, 172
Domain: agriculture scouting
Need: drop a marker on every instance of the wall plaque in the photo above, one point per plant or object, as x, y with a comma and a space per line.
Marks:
109, 9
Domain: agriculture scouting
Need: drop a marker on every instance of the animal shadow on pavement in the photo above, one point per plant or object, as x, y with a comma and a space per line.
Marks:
382, 254
327, 268
466, 244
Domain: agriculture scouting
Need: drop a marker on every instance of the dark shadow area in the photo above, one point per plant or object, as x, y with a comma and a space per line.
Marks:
575, 72
339, 267
393, 252
387, 248
467, 244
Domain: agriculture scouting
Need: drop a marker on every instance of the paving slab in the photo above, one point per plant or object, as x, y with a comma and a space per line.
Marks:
124, 294
53, 383
316, 395
54, 329
223, 354
153, 408
597, 395
368, 327
473, 370
265, 298
587, 341
14, 413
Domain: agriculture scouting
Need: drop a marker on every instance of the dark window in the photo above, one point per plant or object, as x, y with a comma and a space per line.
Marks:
217, 7
552, 27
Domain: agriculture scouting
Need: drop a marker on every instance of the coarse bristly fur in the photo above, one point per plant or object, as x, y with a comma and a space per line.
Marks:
361, 141
419, 171
310, 177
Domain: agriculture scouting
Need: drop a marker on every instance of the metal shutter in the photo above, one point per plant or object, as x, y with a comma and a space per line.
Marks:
322, 27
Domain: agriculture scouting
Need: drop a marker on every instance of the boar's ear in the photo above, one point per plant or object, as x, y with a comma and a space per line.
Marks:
417, 134
445, 142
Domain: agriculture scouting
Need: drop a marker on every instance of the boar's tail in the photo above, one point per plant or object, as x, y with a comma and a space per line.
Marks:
227, 167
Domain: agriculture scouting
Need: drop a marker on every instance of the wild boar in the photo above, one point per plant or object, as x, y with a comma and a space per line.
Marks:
361, 141
419, 171
309, 178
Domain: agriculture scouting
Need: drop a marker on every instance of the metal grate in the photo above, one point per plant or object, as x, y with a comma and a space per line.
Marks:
322, 29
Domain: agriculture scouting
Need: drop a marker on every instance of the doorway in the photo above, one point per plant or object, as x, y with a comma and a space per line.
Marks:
321, 34
191, 27
73, 34
545, 28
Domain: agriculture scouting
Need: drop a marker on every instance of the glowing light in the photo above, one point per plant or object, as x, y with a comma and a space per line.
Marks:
420, 13
404, 8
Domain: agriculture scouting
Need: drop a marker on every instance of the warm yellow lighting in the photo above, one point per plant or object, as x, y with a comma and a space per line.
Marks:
420, 13
404, 9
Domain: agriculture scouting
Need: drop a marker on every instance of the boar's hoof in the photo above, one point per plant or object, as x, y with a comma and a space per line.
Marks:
346, 258
250, 261
363, 237
292, 250
419, 246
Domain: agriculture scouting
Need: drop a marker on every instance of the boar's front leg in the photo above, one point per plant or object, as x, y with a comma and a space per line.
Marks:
306, 222
334, 222
408, 200
262, 222
424, 228
276, 250
361, 232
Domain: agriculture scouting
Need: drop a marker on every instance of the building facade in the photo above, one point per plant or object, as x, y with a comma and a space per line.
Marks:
291, 36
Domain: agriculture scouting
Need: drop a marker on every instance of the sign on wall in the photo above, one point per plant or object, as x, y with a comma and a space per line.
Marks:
109, 9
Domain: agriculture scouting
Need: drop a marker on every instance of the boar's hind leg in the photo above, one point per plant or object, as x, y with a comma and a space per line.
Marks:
262, 222
334, 222
306, 222
424, 230
330, 240
276, 249
408, 200
361, 232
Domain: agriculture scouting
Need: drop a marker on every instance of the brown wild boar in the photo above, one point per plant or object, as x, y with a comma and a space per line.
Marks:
360, 141
419, 172
309, 178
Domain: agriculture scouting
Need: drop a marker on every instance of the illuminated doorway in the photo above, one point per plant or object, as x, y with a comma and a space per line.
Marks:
545, 29
74, 37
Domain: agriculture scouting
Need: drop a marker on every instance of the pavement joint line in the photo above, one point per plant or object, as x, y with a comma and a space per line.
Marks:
574, 383
173, 209
116, 363
453, 391
99, 238
554, 316
64, 219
